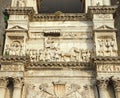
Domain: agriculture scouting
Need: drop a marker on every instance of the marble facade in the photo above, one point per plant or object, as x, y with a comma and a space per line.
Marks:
65, 55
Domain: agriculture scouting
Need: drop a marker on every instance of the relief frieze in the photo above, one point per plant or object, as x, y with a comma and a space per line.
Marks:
108, 68
11, 74
57, 90
12, 67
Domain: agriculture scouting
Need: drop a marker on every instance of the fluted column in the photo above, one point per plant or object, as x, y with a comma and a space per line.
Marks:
116, 84
103, 90
3, 85
18, 83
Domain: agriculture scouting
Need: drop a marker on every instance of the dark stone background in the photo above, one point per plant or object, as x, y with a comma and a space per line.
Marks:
3, 5
7, 3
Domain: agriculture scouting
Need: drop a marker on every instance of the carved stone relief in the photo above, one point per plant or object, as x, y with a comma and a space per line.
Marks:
57, 90
18, 67
108, 68
3, 82
18, 82
20, 3
106, 46
55, 54
15, 48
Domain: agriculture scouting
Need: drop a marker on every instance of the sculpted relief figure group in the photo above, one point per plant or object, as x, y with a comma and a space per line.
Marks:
15, 48
51, 52
57, 91
107, 47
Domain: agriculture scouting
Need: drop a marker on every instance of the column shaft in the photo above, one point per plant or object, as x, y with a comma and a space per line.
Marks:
116, 84
103, 91
3, 85
18, 83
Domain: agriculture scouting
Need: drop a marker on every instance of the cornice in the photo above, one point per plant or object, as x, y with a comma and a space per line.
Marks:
60, 65
20, 10
107, 59
12, 59
102, 9
61, 17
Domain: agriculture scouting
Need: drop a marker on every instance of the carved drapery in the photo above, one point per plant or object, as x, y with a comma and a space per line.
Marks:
3, 85
18, 83
102, 85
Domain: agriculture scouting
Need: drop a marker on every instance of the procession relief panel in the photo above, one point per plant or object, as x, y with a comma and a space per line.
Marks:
106, 45
55, 49
58, 89
67, 47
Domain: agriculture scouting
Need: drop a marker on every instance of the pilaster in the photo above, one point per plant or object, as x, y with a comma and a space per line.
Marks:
18, 83
116, 83
3, 85
103, 90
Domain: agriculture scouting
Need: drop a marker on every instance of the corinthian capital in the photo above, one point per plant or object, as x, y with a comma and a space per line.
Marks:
3, 82
102, 83
116, 83
18, 82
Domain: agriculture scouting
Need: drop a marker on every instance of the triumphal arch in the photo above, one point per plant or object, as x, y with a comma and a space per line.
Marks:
60, 49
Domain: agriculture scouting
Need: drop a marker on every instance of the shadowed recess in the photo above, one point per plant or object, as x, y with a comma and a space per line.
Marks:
65, 6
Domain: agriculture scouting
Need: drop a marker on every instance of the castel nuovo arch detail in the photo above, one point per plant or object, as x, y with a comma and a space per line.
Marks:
60, 53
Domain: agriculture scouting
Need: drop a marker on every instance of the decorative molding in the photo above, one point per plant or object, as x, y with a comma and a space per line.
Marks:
61, 65
16, 29
12, 67
61, 17
102, 9
108, 68
13, 58
105, 28
20, 10
106, 59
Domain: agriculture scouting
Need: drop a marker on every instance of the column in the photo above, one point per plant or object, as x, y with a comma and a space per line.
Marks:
18, 83
102, 85
107, 2
3, 85
116, 84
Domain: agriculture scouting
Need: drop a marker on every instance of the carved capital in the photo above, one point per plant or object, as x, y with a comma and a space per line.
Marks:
3, 82
116, 83
102, 83
18, 82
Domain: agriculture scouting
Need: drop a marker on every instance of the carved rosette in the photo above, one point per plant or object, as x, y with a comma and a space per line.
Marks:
18, 82
102, 83
3, 82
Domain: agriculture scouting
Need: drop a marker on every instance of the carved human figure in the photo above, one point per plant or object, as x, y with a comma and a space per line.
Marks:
41, 55
47, 55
